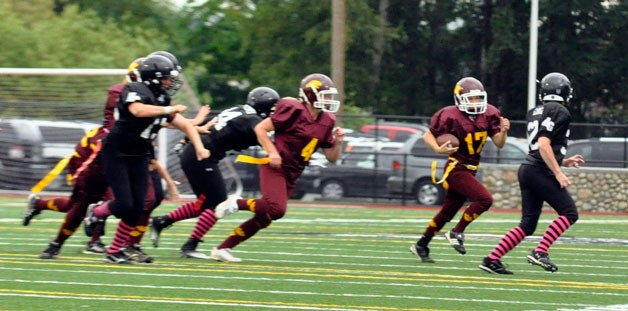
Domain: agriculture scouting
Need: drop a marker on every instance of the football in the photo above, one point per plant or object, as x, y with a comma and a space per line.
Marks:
454, 142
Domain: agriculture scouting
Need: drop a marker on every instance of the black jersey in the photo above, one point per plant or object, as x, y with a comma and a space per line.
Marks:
234, 131
133, 135
550, 120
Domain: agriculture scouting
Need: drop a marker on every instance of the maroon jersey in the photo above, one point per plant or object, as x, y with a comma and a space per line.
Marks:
298, 135
471, 130
113, 93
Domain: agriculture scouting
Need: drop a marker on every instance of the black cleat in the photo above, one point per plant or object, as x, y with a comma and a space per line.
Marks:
118, 257
494, 266
96, 247
30, 210
423, 252
188, 250
92, 223
136, 254
51, 252
456, 240
543, 260
158, 224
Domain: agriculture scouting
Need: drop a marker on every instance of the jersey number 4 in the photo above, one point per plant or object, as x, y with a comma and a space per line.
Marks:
309, 149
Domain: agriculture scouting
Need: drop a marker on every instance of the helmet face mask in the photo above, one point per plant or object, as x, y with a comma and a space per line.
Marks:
470, 96
319, 90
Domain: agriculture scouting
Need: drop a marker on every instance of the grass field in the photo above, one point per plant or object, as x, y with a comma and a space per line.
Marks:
318, 258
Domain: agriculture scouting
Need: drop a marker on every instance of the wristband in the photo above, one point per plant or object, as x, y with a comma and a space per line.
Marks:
168, 110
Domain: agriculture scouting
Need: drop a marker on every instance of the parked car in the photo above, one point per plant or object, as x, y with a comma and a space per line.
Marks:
412, 168
395, 131
601, 151
29, 149
362, 172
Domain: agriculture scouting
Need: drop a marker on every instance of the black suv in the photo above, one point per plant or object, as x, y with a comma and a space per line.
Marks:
29, 149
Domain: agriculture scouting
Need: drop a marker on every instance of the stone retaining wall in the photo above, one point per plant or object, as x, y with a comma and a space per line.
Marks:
593, 189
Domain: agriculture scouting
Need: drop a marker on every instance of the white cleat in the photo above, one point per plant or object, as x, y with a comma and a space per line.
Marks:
227, 207
224, 254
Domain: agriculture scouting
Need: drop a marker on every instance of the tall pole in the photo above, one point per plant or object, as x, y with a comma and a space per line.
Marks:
534, 35
338, 19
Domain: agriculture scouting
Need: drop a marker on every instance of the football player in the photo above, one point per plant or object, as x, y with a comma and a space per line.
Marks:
231, 130
143, 108
541, 178
472, 120
301, 126
86, 175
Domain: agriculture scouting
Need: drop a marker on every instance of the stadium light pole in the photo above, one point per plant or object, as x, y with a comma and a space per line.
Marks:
534, 35
338, 19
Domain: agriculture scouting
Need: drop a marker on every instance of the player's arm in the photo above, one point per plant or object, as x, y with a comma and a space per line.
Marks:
333, 153
182, 124
545, 149
141, 110
170, 183
499, 139
261, 131
430, 140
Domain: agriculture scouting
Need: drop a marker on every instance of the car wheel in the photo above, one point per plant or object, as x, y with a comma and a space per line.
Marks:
428, 193
332, 190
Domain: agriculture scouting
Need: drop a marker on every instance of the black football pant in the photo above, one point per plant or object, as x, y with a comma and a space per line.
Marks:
538, 185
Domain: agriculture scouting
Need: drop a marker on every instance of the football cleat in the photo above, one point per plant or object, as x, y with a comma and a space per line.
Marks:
135, 254
30, 210
51, 252
92, 223
494, 266
224, 254
543, 260
118, 257
96, 247
158, 224
188, 250
227, 207
456, 240
423, 252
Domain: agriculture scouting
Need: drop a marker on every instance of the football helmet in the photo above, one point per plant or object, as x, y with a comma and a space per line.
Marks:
133, 74
177, 82
155, 69
555, 86
319, 90
263, 100
470, 96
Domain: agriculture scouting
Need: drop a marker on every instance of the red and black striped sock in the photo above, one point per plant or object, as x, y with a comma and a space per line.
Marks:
507, 243
136, 235
121, 237
554, 230
187, 210
205, 222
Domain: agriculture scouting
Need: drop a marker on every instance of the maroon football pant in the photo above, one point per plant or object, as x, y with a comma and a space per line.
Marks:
276, 186
463, 186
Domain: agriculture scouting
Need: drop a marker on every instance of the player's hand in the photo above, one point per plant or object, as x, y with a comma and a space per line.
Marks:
202, 154
563, 180
203, 112
445, 148
179, 108
505, 124
573, 161
339, 134
275, 160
